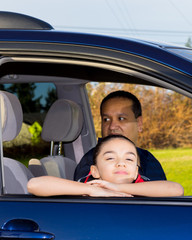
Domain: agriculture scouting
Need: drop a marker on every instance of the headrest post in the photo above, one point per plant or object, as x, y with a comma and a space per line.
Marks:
51, 150
60, 148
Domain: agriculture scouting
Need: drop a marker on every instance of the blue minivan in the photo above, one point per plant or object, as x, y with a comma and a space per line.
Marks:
34, 55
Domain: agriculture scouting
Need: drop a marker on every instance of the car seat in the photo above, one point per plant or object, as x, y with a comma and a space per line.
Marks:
63, 124
15, 174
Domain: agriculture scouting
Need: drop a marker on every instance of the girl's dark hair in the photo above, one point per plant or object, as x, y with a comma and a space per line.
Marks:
106, 139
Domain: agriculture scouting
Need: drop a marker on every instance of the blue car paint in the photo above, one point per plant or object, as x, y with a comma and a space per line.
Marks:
155, 52
84, 221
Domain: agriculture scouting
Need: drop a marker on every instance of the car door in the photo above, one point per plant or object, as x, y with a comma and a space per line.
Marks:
85, 218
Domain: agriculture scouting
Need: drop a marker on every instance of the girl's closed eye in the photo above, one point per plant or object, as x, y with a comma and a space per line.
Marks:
109, 155
129, 159
110, 158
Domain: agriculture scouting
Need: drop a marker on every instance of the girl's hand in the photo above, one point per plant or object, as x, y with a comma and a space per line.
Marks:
108, 187
104, 184
96, 191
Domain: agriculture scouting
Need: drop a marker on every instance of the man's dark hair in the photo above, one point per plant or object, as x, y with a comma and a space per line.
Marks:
136, 107
109, 138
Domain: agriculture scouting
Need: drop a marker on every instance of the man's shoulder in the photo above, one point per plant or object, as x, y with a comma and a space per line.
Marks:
143, 153
150, 166
88, 154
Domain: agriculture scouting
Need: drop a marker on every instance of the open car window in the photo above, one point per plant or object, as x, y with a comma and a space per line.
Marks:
167, 118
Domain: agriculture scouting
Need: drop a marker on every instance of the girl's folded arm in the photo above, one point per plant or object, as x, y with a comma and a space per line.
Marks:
153, 189
52, 186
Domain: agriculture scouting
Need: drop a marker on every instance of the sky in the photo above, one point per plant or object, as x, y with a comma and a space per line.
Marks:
159, 20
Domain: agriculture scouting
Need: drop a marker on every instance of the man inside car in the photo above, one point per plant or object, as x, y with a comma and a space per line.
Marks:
121, 113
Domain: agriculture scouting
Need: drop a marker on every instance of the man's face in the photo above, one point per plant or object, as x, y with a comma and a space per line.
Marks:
118, 118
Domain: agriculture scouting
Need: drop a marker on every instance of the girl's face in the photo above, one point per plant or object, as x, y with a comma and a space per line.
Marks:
116, 162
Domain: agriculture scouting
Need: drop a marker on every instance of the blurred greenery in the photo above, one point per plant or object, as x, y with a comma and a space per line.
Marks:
177, 164
35, 129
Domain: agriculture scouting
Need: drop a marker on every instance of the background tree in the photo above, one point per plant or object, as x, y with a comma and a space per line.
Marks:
26, 94
50, 99
167, 115
188, 43
2, 87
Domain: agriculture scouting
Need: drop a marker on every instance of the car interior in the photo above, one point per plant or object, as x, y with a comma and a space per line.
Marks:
64, 128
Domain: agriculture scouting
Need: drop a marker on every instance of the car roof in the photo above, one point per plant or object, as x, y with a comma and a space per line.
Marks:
162, 53
98, 55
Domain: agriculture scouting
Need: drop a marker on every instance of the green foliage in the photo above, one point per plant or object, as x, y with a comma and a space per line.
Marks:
35, 131
177, 164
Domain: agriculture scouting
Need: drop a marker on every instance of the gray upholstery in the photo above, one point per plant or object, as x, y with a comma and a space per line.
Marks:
11, 115
36, 167
63, 123
16, 175
59, 166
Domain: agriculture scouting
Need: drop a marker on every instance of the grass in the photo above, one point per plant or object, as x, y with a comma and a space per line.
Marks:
177, 164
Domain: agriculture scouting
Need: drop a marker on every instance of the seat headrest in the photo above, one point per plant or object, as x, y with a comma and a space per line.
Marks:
11, 115
63, 122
